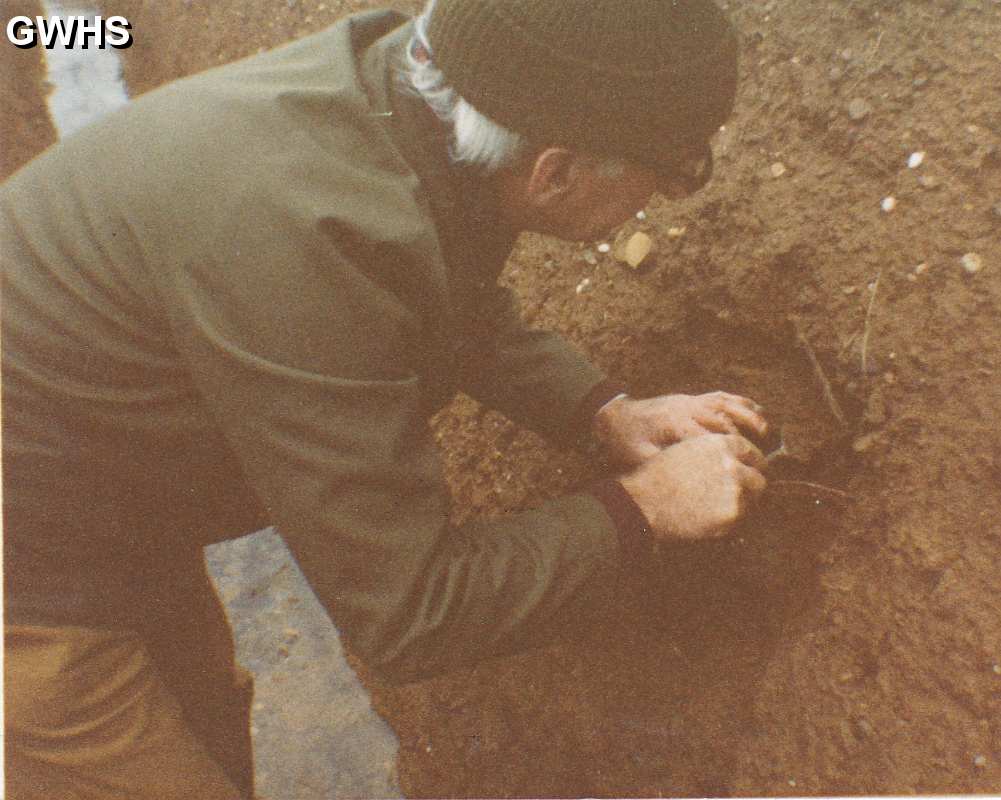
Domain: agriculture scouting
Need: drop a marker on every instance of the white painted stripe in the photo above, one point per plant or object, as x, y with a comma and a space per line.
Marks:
87, 82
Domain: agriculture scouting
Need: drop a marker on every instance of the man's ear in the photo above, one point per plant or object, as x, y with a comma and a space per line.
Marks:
550, 177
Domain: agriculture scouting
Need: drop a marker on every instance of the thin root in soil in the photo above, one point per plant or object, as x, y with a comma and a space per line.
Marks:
818, 371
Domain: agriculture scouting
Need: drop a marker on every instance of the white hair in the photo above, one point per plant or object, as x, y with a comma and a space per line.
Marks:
476, 139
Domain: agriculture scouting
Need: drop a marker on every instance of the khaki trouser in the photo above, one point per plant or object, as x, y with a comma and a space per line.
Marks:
101, 714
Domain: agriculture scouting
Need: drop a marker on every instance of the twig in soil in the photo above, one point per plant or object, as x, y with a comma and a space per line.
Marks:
868, 325
825, 491
818, 370
847, 346
868, 61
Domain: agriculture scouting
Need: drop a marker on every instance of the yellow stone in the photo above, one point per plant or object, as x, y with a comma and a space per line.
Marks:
635, 249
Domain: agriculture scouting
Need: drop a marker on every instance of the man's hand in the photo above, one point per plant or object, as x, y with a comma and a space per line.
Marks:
633, 431
697, 488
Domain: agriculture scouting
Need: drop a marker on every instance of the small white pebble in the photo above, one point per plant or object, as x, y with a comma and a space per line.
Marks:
641, 215
921, 268
604, 247
888, 204
972, 263
792, 782
997, 669
916, 160
980, 761
778, 169
675, 233
583, 285
858, 109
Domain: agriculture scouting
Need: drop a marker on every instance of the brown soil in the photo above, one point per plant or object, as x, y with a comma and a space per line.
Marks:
24, 124
826, 648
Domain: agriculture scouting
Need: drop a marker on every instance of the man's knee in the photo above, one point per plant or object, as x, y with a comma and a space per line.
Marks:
88, 715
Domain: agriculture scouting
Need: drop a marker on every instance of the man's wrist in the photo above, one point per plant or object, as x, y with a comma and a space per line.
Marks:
603, 421
600, 395
603, 416
631, 525
619, 396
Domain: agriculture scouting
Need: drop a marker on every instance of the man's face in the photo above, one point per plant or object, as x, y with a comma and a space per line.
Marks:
602, 198
583, 198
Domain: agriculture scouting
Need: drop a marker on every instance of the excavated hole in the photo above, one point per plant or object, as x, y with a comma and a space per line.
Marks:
767, 568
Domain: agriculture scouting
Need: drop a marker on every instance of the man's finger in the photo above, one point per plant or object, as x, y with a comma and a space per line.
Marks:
644, 452
717, 422
757, 408
751, 479
746, 452
746, 417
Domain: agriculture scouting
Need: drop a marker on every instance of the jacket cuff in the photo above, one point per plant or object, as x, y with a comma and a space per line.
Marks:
582, 423
631, 525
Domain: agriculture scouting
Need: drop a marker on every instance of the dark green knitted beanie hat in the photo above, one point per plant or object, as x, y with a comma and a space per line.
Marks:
647, 80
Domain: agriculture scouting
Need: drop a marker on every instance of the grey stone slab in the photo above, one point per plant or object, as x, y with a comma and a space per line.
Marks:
316, 735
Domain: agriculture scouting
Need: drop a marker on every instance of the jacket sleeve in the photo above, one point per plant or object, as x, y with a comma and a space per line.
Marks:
533, 377
294, 349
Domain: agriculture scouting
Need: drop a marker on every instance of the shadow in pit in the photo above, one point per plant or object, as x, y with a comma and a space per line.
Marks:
681, 666
695, 632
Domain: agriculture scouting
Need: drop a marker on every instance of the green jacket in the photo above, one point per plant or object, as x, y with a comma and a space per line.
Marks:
237, 302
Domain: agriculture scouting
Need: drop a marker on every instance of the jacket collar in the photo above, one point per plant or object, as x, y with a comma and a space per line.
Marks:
462, 202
